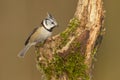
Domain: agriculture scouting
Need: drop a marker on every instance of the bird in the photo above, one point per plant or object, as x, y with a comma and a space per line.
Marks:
39, 34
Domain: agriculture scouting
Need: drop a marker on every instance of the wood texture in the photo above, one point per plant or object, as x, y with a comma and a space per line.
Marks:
88, 33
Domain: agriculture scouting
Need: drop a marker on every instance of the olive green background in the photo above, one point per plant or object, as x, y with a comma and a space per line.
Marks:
19, 17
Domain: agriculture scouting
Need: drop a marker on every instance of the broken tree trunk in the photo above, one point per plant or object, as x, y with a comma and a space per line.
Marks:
69, 55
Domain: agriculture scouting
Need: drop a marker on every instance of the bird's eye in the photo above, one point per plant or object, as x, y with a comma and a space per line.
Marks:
52, 22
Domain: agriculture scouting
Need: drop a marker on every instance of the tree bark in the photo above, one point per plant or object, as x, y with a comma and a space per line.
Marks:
69, 55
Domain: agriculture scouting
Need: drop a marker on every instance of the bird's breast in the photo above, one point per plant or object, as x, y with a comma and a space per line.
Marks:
40, 35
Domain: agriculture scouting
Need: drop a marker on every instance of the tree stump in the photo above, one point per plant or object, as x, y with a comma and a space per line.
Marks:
69, 55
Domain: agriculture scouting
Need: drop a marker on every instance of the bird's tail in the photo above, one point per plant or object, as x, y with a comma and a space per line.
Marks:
24, 50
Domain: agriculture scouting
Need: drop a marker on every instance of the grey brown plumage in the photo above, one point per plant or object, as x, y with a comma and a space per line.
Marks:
26, 42
39, 34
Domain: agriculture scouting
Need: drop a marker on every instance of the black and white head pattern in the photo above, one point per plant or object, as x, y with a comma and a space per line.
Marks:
49, 23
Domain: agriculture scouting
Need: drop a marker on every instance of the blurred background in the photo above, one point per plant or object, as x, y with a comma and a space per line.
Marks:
19, 17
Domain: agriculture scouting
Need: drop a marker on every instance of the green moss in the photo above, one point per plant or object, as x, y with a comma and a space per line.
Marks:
98, 42
69, 31
72, 64
75, 66
94, 51
71, 27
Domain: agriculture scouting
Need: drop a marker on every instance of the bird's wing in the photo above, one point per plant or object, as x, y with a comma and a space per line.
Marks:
26, 42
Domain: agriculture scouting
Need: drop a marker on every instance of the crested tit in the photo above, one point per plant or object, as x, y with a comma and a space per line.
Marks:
39, 34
